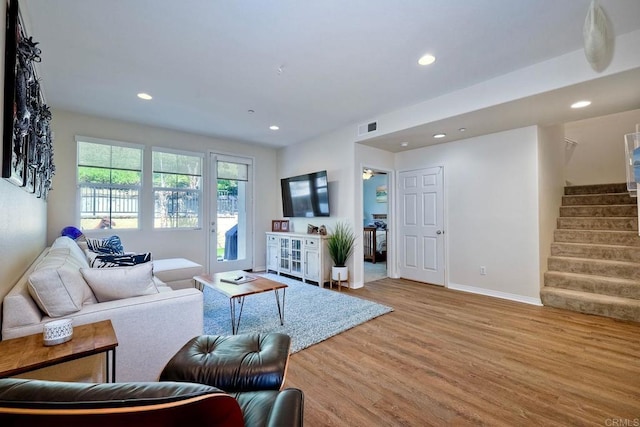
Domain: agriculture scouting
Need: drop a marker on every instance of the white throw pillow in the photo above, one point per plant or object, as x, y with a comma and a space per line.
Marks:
115, 283
59, 291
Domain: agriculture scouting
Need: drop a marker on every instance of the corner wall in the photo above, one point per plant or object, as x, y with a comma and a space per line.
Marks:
599, 155
491, 211
551, 150
23, 218
191, 244
334, 152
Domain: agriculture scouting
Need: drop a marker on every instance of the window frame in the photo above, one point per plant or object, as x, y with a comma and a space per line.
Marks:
200, 190
140, 187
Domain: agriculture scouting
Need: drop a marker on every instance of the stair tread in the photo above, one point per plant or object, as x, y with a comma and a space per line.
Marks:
591, 245
596, 194
601, 231
599, 217
594, 277
598, 207
591, 260
591, 296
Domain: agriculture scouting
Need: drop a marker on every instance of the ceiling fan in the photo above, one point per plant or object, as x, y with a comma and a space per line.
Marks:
367, 173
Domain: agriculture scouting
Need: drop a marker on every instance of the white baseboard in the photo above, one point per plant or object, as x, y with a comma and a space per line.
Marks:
496, 294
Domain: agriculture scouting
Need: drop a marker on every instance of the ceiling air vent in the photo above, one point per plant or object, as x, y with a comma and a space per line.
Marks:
367, 128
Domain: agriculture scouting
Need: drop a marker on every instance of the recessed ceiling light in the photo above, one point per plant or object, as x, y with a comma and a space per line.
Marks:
439, 135
274, 127
580, 104
145, 96
426, 59
404, 144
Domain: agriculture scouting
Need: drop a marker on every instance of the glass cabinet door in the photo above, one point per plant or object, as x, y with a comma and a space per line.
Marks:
296, 256
284, 254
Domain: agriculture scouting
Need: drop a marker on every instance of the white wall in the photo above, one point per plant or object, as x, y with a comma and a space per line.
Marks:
491, 210
599, 156
551, 148
23, 217
190, 244
335, 153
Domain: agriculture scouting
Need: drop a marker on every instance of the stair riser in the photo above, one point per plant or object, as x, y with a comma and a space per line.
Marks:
597, 237
598, 199
589, 307
595, 267
599, 211
595, 189
622, 224
593, 285
596, 252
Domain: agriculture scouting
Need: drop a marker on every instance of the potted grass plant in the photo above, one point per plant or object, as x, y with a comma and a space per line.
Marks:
340, 244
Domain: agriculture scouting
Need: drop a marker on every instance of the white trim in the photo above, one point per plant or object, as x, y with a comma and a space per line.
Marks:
445, 221
211, 182
391, 194
495, 294
80, 138
179, 152
140, 188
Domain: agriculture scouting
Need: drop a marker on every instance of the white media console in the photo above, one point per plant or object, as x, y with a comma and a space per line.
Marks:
304, 256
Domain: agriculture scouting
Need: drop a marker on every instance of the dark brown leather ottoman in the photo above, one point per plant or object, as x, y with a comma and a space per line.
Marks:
235, 363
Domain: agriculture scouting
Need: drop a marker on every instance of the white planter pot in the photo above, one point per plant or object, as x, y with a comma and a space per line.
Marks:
340, 273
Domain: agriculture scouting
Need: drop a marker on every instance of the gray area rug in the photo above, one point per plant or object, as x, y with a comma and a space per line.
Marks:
311, 315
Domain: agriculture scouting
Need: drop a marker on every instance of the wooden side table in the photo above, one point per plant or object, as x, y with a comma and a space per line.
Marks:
24, 354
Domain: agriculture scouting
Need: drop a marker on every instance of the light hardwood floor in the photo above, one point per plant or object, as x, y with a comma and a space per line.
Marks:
451, 358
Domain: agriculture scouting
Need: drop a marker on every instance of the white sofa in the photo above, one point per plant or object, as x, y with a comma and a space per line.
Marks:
150, 328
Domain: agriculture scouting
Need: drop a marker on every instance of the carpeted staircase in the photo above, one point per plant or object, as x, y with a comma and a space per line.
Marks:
595, 258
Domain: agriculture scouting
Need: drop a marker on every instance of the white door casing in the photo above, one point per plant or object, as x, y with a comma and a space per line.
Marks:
241, 215
421, 225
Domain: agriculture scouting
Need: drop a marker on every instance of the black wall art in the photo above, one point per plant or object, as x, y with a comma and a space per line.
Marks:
27, 151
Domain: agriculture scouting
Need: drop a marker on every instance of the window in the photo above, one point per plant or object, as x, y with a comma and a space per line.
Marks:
109, 183
177, 189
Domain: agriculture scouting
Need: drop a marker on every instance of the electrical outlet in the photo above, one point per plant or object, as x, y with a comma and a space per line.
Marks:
483, 270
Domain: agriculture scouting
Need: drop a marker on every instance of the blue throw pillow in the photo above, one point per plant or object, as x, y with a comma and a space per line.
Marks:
109, 245
71, 232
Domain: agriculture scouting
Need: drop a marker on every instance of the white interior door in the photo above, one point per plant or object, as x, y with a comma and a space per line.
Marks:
230, 224
421, 232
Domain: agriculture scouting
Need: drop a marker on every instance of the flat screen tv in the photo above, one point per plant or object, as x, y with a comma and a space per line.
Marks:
305, 196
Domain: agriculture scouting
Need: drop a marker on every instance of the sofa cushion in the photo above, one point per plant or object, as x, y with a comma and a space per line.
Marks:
59, 291
108, 245
173, 269
59, 257
97, 260
74, 249
115, 283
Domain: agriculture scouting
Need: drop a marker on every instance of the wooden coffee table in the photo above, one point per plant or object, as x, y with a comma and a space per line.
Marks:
28, 353
237, 292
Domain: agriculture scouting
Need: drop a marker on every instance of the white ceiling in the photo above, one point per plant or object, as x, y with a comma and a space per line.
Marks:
308, 66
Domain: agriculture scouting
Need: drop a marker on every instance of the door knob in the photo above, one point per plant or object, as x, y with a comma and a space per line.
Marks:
439, 232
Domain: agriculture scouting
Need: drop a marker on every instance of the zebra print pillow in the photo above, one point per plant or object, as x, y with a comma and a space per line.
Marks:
108, 245
116, 260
